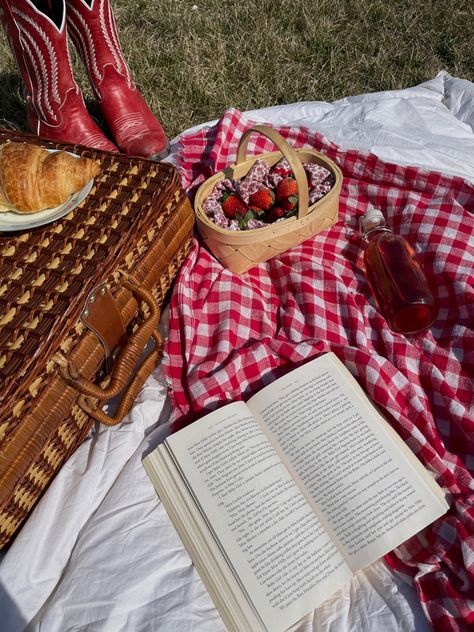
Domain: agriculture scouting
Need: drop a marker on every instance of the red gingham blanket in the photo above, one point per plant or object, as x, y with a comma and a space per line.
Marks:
230, 335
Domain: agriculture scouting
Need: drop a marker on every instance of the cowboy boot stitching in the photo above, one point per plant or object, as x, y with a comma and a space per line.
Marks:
43, 76
115, 50
90, 59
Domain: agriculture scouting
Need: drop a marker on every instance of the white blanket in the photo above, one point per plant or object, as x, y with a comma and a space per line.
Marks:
99, 552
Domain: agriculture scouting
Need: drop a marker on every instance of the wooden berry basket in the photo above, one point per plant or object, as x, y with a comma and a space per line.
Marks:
241, 250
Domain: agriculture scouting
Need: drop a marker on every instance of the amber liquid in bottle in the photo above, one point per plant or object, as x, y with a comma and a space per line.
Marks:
396, 278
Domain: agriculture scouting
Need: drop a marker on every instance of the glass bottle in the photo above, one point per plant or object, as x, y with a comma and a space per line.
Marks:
395, 276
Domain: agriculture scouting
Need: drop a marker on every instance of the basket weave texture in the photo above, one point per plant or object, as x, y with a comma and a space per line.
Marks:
136, 219
239, 251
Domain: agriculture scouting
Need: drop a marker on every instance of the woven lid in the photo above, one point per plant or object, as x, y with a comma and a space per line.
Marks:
47, 272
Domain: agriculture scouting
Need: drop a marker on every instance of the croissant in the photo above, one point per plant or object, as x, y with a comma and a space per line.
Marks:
33, 179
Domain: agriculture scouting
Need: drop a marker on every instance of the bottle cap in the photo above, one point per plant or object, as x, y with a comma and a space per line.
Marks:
372, 213
371, 219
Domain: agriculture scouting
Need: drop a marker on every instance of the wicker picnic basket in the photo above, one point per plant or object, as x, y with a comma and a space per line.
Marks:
80, 298
241, 250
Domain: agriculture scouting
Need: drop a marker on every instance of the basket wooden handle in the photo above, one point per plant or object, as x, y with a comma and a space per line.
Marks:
125, 364
289, 153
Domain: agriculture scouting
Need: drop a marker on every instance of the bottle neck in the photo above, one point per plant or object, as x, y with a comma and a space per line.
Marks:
373, 224
375, 231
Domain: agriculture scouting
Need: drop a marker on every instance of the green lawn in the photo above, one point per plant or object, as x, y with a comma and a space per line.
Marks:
193, 59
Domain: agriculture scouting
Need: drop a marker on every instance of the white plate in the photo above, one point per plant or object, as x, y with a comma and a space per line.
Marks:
11, 221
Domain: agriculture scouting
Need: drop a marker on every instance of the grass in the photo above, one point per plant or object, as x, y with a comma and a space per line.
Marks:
192, 59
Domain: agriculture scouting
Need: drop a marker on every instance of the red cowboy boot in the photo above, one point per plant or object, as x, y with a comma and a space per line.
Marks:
55, 108
134, 127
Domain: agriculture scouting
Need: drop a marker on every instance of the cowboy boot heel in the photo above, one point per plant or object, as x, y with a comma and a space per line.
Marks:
55, 108
132, 124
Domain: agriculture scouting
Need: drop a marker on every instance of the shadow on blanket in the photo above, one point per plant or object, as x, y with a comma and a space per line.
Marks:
10, 615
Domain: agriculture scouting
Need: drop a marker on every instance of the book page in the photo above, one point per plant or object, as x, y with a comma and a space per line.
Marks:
370, 489
286, 562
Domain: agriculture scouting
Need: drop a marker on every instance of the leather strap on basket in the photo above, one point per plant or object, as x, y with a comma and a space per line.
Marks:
125, 364
289, 153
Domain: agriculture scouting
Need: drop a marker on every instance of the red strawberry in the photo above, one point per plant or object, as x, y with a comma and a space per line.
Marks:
232, 205
263, 199
286, 187
289, 203
275, 213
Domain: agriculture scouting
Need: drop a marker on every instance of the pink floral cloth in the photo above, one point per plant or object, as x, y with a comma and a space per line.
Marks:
260, 176
230, 335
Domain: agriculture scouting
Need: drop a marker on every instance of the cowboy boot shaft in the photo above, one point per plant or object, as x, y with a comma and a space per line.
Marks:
93, 29
39, 44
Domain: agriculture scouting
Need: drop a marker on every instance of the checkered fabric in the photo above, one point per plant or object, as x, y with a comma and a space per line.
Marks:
230, 335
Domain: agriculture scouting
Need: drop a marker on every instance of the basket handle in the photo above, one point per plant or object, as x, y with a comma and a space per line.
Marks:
125, 364
130, 394
289, 153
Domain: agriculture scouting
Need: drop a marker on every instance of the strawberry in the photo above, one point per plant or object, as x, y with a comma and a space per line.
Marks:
232, 204
286, 188
290, 203
263, 199
273, 214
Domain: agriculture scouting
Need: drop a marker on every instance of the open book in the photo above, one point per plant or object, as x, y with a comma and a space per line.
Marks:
279, 500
